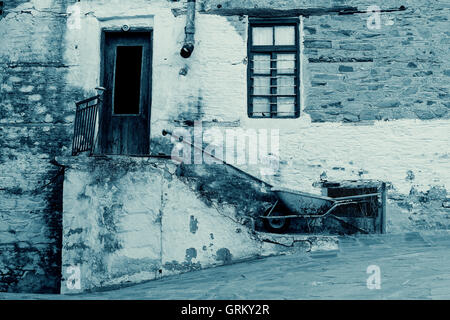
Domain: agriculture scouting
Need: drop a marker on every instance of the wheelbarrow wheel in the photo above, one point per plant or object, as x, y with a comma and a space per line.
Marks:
276, 225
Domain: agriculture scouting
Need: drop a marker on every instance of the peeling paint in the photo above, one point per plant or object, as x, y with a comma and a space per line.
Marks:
191, 253
224, 255
193, 224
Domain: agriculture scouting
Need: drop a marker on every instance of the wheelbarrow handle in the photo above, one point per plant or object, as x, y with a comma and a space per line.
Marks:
357, 197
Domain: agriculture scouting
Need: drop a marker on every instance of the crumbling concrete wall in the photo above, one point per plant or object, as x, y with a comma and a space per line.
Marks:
127, 220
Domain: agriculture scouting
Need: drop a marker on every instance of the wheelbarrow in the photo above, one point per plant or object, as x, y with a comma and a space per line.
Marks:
307, 206
300, 204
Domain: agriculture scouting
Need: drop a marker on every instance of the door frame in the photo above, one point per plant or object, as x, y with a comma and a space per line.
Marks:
119, 29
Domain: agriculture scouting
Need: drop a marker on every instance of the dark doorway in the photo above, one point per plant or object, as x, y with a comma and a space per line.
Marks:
126, 75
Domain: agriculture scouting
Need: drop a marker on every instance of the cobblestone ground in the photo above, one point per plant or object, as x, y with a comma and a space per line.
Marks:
413, 265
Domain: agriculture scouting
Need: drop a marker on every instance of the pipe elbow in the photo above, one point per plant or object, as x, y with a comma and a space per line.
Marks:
186, 50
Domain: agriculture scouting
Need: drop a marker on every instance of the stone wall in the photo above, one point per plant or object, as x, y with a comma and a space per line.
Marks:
36, 111
374, 102
396, 72
362, 98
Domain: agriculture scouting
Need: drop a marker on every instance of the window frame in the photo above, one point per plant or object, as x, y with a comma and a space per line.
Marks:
253, 50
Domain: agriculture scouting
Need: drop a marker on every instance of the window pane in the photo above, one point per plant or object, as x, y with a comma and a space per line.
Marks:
285, 36
127, 83
262, 36
285, 106
261, 107
261, 64
286, 85
286, 63
261, 86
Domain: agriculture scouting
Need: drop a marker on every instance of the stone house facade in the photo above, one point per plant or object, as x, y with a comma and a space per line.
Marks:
356, 93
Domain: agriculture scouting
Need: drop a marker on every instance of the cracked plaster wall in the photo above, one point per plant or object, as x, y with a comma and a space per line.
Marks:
131, 220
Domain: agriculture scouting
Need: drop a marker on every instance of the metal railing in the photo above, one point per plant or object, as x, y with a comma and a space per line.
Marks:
86, 125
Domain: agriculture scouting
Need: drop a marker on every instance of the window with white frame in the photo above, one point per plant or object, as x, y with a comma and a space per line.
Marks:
274, 68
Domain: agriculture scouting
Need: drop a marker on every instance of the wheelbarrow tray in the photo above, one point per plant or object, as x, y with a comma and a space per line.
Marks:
308, 204
303, 202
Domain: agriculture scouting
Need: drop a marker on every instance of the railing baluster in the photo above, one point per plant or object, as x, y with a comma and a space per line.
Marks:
84, 125
91, 119
83, 128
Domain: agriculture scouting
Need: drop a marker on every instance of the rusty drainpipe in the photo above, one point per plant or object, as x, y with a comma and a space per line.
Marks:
189, 30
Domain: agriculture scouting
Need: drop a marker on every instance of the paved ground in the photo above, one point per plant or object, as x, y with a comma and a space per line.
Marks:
413, 266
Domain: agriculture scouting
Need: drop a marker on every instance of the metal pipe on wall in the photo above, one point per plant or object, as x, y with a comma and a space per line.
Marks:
188, 47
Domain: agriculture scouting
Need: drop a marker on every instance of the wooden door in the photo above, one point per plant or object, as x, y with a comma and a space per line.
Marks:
125, 116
